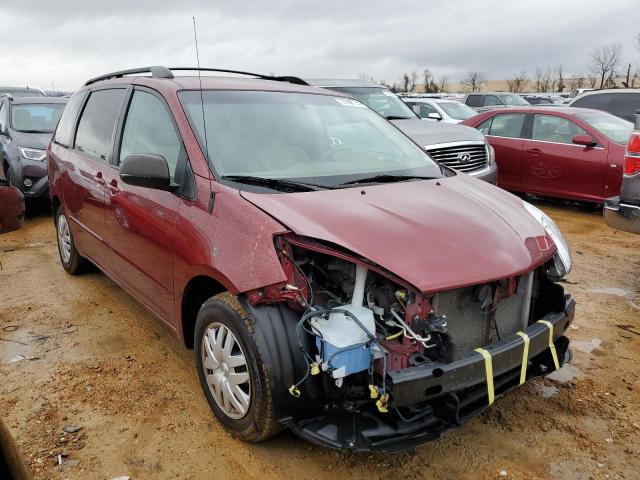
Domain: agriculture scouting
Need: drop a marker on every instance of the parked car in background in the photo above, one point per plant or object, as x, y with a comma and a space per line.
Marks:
485, 101
623, 211
578, 91
621, 102
436, 109
454, 146
11, 207
22, 92
330, 276
26, 125
543, 99
563, 152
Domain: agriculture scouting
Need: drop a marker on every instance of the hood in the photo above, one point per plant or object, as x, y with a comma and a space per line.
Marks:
436, 235
431, 133
32, 140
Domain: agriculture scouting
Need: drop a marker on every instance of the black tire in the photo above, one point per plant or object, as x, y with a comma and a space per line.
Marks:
259, 422
76, 264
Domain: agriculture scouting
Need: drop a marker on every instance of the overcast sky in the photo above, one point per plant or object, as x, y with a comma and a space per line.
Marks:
64, 42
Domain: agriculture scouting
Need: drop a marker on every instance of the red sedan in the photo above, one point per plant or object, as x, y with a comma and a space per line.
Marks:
572, 153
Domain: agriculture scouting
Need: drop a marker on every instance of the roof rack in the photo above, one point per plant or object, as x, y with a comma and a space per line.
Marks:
164, 72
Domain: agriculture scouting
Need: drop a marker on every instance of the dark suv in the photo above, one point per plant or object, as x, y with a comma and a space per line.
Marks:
26, 125
485, 101
331, 277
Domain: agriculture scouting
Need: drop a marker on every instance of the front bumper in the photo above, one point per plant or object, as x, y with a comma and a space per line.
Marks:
37, 173
449, 394
489, 174
622, 216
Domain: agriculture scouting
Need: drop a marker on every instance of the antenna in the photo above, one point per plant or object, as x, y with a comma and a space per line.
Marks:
204, 120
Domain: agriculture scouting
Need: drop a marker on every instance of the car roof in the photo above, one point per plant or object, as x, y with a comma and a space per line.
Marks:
336, 82
210, 82
534, 109
19, 89
589, 93
32, 100
429, 99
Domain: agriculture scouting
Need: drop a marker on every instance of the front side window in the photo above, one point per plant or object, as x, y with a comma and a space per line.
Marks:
280, 135
3, 117
149, 128
549, 128
614, 128
426, 109
98, 120
490, 100
504, 125
456, 110
36, 117
474, 100
514, 100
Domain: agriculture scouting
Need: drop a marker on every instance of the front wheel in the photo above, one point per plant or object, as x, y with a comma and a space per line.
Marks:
231, 371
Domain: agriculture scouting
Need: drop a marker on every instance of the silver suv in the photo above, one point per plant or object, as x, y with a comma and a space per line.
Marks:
459, 147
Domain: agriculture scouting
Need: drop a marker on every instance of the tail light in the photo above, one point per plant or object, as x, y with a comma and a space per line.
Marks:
632, 155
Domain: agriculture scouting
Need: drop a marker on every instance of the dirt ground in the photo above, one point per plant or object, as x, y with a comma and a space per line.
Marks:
79, 352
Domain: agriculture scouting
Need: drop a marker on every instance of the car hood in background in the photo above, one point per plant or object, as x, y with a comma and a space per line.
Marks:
436, 235
39, 141
432, 133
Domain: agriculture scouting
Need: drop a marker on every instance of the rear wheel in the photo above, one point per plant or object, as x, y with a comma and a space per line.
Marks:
232, 374
71, 260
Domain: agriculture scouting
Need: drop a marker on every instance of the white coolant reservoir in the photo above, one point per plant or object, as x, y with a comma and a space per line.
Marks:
343, 343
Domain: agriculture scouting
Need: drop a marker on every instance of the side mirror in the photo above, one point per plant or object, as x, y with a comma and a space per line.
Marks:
434, 116
586, 140
148, 171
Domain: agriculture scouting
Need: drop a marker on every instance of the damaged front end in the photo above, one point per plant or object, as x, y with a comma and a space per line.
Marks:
361, 360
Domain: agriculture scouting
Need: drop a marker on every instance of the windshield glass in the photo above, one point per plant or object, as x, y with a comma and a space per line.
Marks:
36, 117
300, 136
456, 110
382, 100
514, 100
614, 128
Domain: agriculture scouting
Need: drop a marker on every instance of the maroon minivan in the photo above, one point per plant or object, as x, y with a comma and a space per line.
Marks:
571, 153
330, 276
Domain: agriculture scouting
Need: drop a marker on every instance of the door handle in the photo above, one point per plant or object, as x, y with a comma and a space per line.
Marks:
98, 178
534, 151
113, 187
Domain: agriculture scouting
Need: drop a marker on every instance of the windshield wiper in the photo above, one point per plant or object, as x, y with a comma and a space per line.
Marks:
387, 179
34, 131
397, 117
276, 183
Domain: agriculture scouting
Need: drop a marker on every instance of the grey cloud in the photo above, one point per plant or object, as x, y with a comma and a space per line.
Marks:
67, 41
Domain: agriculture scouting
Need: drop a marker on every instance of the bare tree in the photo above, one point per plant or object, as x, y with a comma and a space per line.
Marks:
474, 81
428, 81
631, 76
405, 82
559, 79
518, 83
414, 78
443, 85
576, 81
539, 80
604, 62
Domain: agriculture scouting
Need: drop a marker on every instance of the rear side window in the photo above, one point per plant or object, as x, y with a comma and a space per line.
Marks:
97, 123
504, 125
474, 100
426, 109
624, 105
68, 119
599, 102
149, 129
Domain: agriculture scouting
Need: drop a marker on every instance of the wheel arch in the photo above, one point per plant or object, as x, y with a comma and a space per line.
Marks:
197, 291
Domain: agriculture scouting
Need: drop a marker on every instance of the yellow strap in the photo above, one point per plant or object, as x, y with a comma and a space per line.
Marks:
552, 346
525, 357
488, 367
